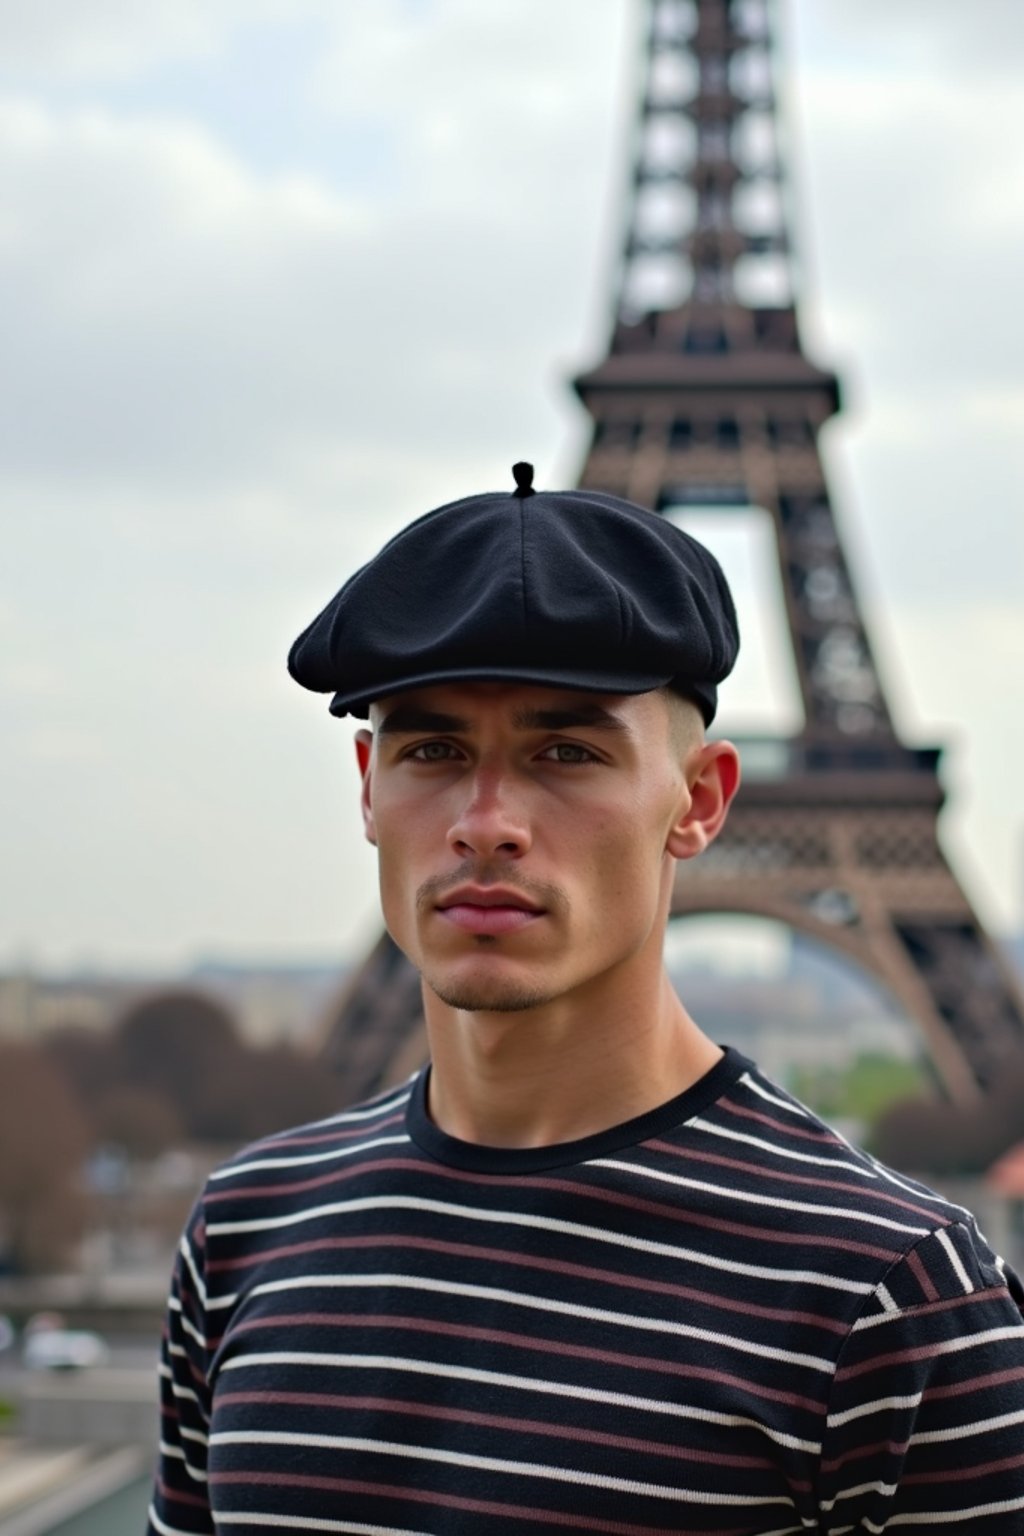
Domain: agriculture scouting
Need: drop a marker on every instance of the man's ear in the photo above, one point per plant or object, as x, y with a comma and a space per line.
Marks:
713, 777
364, 757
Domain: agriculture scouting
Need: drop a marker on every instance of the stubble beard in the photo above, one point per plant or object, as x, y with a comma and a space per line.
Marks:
489, 994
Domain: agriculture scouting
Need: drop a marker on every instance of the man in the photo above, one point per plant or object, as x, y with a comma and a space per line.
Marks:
589, 1271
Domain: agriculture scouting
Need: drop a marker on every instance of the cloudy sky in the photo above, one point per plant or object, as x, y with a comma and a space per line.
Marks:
276, 275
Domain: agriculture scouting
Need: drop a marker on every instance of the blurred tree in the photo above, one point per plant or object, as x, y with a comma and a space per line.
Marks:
277, 1088
182, 1047
138, 1121
174, 1070
44, 1140
83, 1057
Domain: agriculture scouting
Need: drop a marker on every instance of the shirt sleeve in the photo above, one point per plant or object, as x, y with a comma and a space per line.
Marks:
180, 1504
925, 1428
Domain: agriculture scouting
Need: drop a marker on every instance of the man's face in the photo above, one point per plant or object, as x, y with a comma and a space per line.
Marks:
525, 834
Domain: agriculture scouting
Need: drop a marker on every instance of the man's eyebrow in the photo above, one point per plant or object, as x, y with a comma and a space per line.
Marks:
411, 719
567, 718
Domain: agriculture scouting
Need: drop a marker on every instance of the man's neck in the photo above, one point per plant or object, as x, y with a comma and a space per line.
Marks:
562, 1071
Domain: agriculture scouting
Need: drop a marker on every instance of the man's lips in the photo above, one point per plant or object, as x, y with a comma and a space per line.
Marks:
488, 909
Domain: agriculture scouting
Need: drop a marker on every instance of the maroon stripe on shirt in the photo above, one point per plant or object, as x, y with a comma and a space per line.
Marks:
366, 1133
883, 1447
690, 1218
578, 1188
925, 1351
976, 1383
645, 1446
858, 1191
962, 1474
539, 1345
922, 1276
544, 1265
821, 1137
181, 1496
542, 1518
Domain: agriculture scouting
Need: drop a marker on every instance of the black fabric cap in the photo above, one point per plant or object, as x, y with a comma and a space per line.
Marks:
571, 589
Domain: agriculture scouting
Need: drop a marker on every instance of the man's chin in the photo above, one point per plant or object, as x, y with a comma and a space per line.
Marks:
486, 995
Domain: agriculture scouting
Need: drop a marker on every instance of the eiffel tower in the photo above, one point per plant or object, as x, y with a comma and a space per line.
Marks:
707, 399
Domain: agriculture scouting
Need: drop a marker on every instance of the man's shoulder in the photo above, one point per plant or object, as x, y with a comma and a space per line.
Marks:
771, 1153
294, 1162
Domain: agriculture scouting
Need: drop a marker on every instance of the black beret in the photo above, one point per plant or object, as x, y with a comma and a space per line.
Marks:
571, 589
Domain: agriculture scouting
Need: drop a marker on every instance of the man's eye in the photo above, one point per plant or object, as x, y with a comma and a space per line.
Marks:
569, 752
433, 752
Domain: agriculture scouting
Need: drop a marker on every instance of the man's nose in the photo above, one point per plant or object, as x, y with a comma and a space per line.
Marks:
491, 818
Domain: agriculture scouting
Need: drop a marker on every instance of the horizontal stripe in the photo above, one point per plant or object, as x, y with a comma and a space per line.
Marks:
876, 1405
540, 1264
976, 1383
307, 1159
442, 1499
970, 1427
577, 1190
535, 1344
951, 1211
923, 1310
954, 1516
962, 1473
536, 1223
540, 1519
407, 1408
873, 1448
858, 1193
163, 1528
935, 1347
878, 1486
380, 1106
180, 1496
508, 1298
788, 1106
813, 1131
578, 1476
776, 1149
302, 1138
308, 1523
447, 1371
176, 1453
774, 1201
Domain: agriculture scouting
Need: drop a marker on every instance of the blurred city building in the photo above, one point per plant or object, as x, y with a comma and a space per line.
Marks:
268, 1004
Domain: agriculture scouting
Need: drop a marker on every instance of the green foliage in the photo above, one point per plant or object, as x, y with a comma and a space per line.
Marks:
861, 1092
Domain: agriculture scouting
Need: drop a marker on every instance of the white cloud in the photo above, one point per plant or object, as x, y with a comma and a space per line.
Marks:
178, 319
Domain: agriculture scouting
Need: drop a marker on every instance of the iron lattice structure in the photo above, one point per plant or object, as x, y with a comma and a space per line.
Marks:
706, 398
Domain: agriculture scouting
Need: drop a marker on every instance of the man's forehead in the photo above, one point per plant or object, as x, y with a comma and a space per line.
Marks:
526, 706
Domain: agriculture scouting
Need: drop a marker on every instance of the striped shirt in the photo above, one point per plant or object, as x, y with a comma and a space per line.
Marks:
719, 1319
